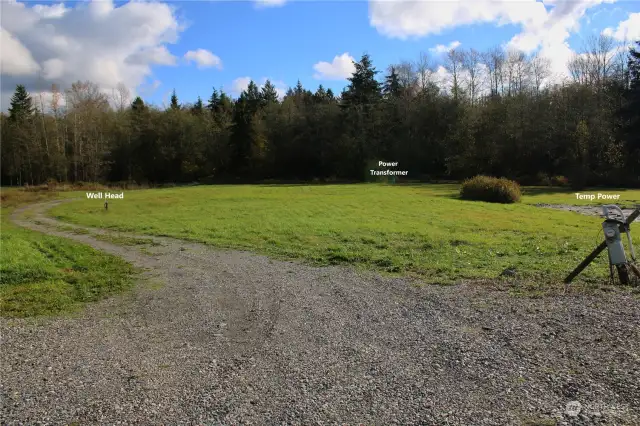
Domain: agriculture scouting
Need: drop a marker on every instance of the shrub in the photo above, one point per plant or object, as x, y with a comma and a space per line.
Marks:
542, 179
559, 181
52, 184
491, 189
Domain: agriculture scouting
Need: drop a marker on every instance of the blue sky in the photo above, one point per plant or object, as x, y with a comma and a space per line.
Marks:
144, 46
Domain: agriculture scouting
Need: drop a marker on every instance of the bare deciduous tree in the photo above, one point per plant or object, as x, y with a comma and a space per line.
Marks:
495, 59
454, 65
473, 66
540, 71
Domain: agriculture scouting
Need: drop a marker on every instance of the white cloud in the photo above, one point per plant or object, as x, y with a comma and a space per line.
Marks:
203, 58
148, 89
95, 41
442, 78
340, 68
53, 11
550, 35
403, 19
53, 69
159, 55
441, 48
239, 85
542, 29
627, 30
16, 58
269, 3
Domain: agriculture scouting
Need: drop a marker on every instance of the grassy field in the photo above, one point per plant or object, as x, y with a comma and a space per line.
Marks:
45, 275
419, 230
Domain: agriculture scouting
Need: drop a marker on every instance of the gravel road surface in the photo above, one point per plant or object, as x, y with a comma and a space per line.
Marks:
586, 210
212, 337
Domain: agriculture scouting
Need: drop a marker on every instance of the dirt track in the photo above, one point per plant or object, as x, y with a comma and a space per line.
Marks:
227, 337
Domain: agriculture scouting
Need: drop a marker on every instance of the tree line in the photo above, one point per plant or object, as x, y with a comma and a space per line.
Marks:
496, 113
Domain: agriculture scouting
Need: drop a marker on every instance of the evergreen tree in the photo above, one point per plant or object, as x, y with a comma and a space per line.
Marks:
252, 93
391, 87
269, 93
174, 101
330, 96
321, 95
214, 100
138, 104
299, 90
21, 106
225, 104
252, 98
198, 107
363, 87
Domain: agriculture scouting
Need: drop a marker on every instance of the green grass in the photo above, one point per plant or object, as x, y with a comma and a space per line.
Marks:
420, 230
45, 275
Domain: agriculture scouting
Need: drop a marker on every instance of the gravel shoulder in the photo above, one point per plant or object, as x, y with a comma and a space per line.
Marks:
211, 336
586, 210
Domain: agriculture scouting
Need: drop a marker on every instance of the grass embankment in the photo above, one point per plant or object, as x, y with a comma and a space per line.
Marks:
45, 275
421, 230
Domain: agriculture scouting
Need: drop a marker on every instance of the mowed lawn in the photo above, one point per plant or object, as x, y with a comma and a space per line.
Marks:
419, 230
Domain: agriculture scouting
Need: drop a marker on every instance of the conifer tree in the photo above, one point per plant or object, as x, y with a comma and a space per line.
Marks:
213, 101
363, 87
21, 106
391, 87
269, 93
174, 101
138, 104
198, 107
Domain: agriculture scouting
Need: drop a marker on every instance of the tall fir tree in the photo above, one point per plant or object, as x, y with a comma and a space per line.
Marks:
21, 105
138, 104
392, 88
198, 107
363, 88
174, 101
330, 96
269, 93
214, 100
252, 97
299, 90
321, 95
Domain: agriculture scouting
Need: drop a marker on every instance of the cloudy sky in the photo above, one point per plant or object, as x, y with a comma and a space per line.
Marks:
192, 46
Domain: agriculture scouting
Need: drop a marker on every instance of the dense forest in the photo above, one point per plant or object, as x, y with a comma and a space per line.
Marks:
496, 114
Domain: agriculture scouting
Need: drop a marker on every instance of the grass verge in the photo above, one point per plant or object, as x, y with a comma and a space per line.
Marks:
46, 275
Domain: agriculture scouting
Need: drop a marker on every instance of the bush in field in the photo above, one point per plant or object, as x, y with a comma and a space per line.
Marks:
491, 189
543, 179
559, 181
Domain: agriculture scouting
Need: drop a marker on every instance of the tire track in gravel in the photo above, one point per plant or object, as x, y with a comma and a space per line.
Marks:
236, 338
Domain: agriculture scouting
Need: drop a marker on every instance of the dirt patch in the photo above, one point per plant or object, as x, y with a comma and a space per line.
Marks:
228, 337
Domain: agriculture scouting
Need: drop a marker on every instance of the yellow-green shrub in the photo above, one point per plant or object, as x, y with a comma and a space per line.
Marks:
491, 189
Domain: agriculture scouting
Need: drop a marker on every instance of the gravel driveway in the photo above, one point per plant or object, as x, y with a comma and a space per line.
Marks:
587, 210
226, 337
